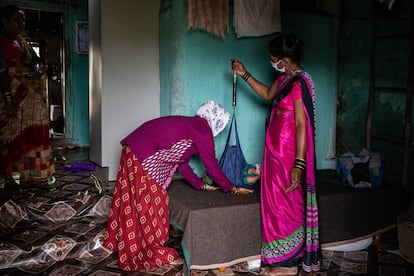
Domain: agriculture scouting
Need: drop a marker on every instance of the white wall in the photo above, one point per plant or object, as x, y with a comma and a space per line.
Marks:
124, 74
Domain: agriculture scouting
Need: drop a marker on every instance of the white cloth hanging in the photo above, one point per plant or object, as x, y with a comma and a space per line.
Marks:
389, 3
256, 18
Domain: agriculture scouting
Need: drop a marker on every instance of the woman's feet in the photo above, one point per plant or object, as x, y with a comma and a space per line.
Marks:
278, 270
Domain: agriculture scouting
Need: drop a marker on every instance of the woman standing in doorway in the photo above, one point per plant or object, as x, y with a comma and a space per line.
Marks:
25, 150
288, 195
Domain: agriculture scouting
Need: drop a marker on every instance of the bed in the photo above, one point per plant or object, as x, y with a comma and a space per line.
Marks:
220, 230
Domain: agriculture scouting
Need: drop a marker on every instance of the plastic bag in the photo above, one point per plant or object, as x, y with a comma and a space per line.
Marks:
365, 169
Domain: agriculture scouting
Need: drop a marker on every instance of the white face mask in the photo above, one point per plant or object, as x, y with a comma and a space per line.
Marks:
274, 65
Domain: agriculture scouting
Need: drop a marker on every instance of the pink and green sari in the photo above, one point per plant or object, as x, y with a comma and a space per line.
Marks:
289, 220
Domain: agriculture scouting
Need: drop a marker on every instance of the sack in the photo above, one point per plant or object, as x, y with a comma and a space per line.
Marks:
365, 169
405, 232
232, 161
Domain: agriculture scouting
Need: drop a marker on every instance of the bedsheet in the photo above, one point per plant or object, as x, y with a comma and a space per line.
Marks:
218, 229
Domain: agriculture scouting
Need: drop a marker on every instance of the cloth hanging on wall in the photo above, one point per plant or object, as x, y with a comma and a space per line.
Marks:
256, 18
211, 16
388, 3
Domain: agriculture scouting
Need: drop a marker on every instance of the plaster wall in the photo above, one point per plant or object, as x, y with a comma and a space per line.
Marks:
125, 74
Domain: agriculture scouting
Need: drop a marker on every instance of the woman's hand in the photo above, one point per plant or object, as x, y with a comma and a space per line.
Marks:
240, 191
210, 187
207, 186
238, 66
296, 178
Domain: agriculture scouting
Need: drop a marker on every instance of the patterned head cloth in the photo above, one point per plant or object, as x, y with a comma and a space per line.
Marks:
215, 114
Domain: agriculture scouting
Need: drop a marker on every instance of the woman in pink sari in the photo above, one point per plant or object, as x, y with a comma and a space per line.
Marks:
288, 196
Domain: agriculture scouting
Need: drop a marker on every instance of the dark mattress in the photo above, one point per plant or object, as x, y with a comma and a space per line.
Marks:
347, 213
220, 229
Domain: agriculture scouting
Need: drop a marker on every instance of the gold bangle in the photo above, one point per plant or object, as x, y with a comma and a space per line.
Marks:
300, 163
204, 187
300, 168
236, 192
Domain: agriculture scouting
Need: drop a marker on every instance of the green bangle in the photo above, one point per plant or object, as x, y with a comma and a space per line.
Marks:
300, 160
300, 163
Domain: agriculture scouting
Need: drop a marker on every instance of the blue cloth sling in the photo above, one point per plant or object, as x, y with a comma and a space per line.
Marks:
232, 161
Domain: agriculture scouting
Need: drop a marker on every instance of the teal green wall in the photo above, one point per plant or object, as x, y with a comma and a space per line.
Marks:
195, 66
320, 60
77, 79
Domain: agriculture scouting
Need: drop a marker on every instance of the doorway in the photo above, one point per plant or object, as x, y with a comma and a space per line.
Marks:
44, 31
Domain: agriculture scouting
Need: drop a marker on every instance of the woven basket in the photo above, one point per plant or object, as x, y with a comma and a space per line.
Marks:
405, 228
